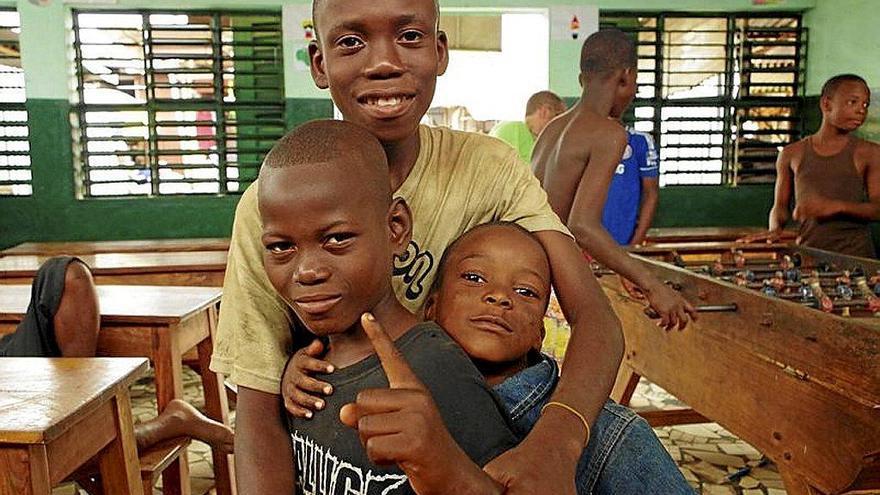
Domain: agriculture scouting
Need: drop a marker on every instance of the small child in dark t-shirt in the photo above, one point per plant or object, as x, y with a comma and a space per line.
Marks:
330, 233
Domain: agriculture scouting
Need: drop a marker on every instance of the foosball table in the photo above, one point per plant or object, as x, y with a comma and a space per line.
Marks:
785, 354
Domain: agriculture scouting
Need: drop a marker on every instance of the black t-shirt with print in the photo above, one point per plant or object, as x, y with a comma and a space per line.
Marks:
329, 456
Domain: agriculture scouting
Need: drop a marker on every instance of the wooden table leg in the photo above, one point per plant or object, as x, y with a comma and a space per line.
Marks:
25, 470
624, 385
118, 461
796, 484
169, 385
217, 408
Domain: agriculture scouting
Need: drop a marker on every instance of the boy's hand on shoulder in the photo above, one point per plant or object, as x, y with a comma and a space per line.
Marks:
401, 424
298, 388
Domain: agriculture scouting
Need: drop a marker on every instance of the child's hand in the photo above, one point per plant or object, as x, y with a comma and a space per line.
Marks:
297, 387
401, 424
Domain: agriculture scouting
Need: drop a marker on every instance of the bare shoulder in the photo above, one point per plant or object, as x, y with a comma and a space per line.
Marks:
792, 150
869, 151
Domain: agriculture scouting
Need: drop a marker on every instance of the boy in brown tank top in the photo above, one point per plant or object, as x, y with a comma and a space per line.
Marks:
836, 175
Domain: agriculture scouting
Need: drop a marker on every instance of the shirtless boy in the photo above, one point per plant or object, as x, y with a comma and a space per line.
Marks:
576, 156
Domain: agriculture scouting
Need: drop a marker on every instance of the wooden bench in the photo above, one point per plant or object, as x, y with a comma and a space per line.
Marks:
140, 246
56, 414
192, 268
160, 323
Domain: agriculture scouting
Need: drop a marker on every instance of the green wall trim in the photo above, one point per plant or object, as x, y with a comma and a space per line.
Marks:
699, 206
300, 110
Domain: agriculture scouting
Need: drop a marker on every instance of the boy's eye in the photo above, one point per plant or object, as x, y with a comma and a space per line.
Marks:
525, 291
473, 277
336, 240
411, 36
280, 247
349, 42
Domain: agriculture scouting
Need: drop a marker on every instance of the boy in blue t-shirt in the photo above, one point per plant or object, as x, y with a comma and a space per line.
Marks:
634, 190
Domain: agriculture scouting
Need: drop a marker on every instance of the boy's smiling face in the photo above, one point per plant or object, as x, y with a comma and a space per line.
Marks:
494, 292
380, 59
329, 241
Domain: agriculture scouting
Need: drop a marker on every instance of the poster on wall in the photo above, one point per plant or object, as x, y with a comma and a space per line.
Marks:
573, 22
299, 31
870, 130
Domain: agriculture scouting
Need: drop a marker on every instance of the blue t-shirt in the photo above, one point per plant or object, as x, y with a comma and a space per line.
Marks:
624, 195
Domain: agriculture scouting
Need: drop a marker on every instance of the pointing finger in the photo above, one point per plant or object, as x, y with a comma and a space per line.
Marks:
399, 374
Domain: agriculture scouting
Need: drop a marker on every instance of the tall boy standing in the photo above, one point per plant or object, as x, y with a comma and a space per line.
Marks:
836, 175
577, 154
380, 60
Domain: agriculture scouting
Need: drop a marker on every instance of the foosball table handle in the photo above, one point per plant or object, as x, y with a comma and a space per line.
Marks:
704, 308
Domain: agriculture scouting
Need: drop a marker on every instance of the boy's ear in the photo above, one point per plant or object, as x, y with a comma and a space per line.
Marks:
431, 306
400, 225
825, 104
442, 52
582, 80
319, 72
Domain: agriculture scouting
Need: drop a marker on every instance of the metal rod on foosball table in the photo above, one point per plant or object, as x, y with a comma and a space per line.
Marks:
704, 308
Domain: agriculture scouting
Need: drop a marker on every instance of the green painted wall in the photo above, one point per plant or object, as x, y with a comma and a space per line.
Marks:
53, 213
844, 37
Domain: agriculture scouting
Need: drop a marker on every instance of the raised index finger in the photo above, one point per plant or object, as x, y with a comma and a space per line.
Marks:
399, 374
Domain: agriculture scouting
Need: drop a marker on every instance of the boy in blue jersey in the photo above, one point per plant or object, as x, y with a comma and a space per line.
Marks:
634, 191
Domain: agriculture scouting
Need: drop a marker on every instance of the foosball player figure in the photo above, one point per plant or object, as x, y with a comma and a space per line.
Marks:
778, 282
791, 272
872, 300
717, 268
844, 286
768, 289
739, 259
740, 279
875, 282
825, 303
806, 291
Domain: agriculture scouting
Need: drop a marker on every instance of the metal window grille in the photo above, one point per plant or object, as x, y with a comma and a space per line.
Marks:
175, 102
15, 161
720, 93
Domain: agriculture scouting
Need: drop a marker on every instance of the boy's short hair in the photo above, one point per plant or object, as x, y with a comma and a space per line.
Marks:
541, 98
329, 141
607, 50
441, 266
317, 3
831, 85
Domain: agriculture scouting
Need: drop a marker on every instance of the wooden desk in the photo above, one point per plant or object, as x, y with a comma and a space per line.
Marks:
140, 246
707, 234
57, 414
193, 268
160, 323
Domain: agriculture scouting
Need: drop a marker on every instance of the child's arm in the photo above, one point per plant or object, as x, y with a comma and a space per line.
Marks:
647, 208
261, 440
401, 424
584, 218
591, 361
779, 214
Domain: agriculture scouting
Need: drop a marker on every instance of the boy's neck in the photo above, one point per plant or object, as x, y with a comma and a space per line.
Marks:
495, 373
829, 133
402, 156
353, 345
597, 99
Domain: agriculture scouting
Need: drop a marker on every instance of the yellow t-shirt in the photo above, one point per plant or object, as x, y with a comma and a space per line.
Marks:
459, 180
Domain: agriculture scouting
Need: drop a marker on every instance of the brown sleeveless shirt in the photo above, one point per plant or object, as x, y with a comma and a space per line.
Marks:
833, 177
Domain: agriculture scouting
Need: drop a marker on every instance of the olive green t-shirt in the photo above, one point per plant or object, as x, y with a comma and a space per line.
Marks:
518, 135
459, 180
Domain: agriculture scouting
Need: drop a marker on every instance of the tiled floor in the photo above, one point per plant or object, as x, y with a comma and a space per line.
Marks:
707, 454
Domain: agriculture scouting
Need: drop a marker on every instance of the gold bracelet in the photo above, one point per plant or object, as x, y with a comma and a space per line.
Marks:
573, 411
